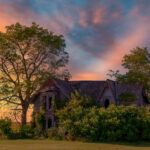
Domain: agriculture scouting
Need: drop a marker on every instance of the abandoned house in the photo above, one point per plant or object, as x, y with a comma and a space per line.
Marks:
103, 92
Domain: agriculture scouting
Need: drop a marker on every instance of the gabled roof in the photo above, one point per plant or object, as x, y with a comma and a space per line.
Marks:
62, 85
112, 85
91, 89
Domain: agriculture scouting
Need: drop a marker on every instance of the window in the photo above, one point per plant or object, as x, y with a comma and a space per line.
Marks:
106, 103
50, 102
49, 123
44, 101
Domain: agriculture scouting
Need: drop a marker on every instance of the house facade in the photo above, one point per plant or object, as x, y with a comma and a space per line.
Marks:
103, 92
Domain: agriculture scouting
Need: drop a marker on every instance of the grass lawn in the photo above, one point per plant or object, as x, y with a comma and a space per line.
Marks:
64, 145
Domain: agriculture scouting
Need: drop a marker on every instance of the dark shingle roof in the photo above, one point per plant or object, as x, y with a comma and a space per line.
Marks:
65, 87
129, 88
92, 89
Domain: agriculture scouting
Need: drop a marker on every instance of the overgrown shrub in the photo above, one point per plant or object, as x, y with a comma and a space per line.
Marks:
127, 97
56, 133
145, 133
38, 121
26, 131
120, 123
52, 132
5, 127
116, 123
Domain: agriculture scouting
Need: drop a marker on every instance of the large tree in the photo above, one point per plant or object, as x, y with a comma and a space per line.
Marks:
28, 56
137, 65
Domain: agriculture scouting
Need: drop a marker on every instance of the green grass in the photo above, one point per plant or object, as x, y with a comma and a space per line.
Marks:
64, 145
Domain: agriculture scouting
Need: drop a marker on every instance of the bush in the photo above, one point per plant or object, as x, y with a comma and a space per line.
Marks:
116, 123
127, 97
5, 127
56, 133
26, 131
38, 120
145, 133
120, 123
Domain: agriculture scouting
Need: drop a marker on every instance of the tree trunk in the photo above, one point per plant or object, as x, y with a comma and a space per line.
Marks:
24, 115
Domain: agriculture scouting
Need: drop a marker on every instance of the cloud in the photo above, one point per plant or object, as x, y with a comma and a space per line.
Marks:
137, 35
16, 11
98, 32
88, 76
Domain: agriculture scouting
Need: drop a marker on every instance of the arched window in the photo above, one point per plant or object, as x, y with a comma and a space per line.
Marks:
106, 103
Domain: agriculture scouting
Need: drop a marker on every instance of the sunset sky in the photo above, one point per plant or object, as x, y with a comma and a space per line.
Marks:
97, 32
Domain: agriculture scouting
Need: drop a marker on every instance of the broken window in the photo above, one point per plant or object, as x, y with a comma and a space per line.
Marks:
50, 102
44, 101
49, 123
106, 103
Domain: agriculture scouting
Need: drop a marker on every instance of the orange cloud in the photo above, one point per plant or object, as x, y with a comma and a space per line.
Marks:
87, 76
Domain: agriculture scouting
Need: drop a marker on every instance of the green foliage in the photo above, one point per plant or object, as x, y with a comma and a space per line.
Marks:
38, 120
126, 97
5, 127
70, 115
56, 133
26, 132
121, 123
23, 132
58, 104
137, 65
28, 57
146, 126
80, 100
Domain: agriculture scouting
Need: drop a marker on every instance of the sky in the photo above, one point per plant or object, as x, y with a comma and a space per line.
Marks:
98, 33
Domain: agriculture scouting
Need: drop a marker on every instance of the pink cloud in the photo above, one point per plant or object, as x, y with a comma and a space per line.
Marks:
135, 36
11, 13
83, 19
98, 15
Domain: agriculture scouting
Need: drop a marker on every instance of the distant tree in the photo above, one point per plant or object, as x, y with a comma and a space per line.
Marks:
28, 56
137, 64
